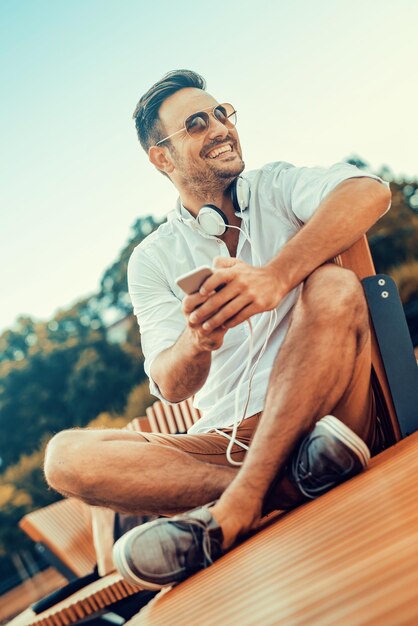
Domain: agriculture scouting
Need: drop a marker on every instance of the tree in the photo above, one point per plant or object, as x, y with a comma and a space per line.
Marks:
113, 286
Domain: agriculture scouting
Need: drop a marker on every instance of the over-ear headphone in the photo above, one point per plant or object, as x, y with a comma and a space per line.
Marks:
211, 220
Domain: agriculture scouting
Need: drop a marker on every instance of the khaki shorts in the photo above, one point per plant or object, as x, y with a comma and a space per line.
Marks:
356, 407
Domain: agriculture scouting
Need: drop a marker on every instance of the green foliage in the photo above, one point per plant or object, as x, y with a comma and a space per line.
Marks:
114, 288
138, 400
406, 277
394, 239
58, 374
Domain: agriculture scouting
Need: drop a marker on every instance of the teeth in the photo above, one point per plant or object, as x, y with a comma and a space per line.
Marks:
214, 153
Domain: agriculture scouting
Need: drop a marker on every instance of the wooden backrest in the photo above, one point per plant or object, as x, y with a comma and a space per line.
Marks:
172, 418
64, 527
358, 259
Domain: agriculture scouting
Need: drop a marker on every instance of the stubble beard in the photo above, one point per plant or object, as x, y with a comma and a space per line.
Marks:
207, 184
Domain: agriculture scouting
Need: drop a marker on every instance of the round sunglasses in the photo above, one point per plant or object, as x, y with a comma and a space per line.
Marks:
198, 123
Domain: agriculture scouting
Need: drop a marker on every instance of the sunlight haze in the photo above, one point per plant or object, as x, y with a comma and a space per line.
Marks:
313, 84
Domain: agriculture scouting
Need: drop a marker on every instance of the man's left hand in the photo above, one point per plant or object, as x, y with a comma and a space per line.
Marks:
244, 291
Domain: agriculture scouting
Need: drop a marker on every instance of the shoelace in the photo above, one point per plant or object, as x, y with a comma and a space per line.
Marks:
206, 539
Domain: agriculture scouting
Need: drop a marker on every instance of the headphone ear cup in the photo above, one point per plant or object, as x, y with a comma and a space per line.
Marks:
240, 194
212, 220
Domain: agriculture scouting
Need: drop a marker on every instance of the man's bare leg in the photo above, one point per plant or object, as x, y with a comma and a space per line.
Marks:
119, 470
314, 368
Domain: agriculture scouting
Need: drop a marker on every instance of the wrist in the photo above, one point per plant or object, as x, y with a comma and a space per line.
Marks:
279, 277
196, 348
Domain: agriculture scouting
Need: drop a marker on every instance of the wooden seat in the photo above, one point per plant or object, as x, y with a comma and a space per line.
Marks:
81, 605
64, 528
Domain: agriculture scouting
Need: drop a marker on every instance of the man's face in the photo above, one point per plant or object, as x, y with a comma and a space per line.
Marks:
196, 162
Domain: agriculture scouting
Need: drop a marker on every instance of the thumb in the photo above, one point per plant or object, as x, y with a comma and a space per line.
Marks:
224, 261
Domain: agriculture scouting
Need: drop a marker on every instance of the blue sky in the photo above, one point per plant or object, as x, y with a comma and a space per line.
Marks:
313, 83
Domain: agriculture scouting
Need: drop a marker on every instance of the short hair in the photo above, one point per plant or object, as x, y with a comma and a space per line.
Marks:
148, 125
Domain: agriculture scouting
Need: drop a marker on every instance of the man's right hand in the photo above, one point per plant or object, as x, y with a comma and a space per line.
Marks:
204, 341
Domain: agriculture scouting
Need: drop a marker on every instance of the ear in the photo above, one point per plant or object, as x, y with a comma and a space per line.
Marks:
161, 159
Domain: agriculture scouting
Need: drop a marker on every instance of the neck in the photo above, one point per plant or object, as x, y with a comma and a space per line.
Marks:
193, 203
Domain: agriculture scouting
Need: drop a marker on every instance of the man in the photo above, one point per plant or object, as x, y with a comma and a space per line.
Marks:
309, 414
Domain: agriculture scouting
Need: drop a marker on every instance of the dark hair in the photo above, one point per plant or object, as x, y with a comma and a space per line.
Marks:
147, 123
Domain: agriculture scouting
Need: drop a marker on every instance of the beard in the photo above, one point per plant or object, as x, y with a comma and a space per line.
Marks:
208, 178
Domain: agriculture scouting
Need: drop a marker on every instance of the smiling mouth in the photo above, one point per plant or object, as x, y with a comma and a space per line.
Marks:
219, 151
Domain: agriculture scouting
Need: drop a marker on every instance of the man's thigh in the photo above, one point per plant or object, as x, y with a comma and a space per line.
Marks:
207, 447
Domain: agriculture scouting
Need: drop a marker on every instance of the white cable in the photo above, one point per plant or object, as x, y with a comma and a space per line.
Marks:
238, 420
270, 329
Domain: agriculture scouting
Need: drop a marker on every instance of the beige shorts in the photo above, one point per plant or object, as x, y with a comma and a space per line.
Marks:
357, 406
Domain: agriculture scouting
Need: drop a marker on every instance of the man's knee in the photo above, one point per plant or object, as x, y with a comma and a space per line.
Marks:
334, 293
66, 460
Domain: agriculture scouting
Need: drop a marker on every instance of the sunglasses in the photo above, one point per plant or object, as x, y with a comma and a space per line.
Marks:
198, 123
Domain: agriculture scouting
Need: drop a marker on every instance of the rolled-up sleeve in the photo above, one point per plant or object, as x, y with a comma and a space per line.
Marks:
156, 307
299, 191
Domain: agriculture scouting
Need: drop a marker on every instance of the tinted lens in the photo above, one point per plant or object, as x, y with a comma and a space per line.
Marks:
197, 124
226, 114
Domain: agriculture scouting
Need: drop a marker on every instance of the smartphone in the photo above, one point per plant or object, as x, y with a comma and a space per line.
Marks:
192, 281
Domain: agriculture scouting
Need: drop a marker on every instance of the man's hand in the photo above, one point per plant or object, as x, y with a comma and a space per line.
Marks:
203, 339
244, 291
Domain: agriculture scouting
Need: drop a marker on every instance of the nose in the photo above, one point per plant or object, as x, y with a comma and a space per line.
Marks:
216, 128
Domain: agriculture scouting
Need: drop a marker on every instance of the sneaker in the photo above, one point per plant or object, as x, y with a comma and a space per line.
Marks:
167, 550
328, 456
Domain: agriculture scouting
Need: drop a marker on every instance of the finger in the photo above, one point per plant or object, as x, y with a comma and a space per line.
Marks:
230, 310
214, 303
241, 317
192, 301
224, 261
218, 278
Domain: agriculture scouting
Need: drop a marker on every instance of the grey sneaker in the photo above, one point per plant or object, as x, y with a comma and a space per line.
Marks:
167, 550
328, 456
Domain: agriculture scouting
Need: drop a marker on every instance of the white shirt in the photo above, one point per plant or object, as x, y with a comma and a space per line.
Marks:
282, 199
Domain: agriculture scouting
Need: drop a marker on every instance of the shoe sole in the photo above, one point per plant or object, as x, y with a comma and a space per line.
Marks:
121, 563
348, 437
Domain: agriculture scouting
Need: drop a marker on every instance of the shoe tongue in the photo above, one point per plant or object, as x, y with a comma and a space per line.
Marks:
196, 535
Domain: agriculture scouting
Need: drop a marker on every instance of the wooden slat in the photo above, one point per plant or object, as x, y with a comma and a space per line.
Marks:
193, 412
65, 528
169, 416
160, 417
152, 418
81, 605
139, 424
166, 418
179, 417
348, 558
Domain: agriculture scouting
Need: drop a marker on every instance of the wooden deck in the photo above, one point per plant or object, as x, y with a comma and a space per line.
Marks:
349, 558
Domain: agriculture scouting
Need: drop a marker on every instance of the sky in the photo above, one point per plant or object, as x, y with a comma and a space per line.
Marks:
313, 83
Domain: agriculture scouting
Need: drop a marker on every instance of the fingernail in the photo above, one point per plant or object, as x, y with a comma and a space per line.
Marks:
206, 326
203, 292
193, 317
